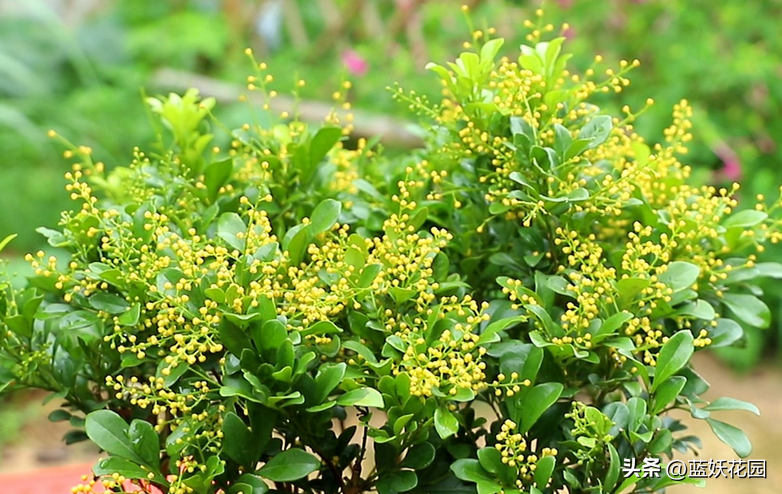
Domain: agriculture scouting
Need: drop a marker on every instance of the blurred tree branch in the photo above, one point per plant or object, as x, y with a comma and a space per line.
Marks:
391, 131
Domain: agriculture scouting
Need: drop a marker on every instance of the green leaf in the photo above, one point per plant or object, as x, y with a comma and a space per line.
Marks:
745, 219
675, 354
368, 275
661, 443
233, 337
667, 392
84, 324
131, 316
732, 436
126, 468
613, 469
536, 401
490, 49
445, 422
322, 142
239, 443
725, 333
292, 464
403, 480
362, 397
230, 227
490, 459
7, 240
271, 335
321, 328
295, 241
519, 179
614, 322
110, 433
769, 270
492, 487
328, 378
174, 373
629, 481
576, 147
145, 442
419, 456
324, 216
545, 467
597, 130
256, 484
240, 387
470, 470
59, 415
552, 328
628, 288
699, 309
110, 303
216, 175
731, 404
636, 408
680, 275
748, 308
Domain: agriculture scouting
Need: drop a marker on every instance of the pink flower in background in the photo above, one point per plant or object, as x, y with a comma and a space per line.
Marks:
355, 63
565, 4
731, 166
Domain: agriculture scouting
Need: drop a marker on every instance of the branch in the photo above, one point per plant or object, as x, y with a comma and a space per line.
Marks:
336, 31
392, 132
295, 25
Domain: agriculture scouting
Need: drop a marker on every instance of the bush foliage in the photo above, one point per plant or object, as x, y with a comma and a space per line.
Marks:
511, 309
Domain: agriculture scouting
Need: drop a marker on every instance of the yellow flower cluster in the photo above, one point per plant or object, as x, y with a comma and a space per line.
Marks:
158, 397
91, 485
514, 450
449, 364
348, 162
511, 387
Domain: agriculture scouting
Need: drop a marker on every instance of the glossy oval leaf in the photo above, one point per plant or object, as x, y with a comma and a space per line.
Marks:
292, 464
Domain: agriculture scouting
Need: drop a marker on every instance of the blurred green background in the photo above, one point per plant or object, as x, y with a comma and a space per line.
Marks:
79, 66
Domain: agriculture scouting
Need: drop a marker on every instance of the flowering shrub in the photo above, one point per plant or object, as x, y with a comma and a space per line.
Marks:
511, 309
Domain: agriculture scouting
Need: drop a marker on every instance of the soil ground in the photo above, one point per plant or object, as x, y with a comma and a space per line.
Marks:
39, 463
